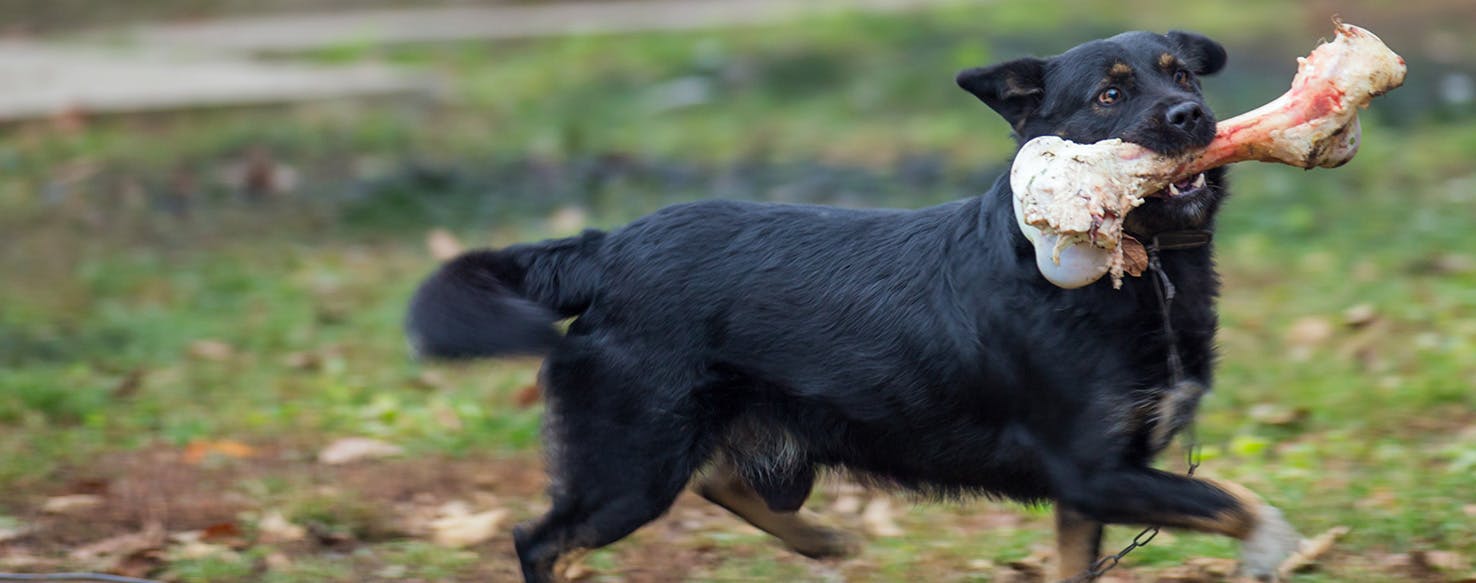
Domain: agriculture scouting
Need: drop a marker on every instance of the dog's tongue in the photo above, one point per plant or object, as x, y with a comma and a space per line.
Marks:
1070, 199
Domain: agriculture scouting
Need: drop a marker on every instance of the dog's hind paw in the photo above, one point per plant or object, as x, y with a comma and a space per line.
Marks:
1272, 541
826, 543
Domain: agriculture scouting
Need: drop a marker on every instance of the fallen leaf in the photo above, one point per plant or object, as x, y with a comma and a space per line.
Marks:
119, 546
277, 562
1277, 415
198, 549
877, 518
567, 220
275, 528
528, 396
1310, 550
352, 449
1440, 560
71, 503
1030, 568
197, 451
446, 417
457, 527
129, 385
1360, 315
429, 380
1215, 566
1183, 574
442, 245
305, 360
226, 533
1307, 333
211, 350
12, 531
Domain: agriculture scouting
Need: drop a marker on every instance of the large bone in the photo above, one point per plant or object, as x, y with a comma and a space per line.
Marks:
1070, 199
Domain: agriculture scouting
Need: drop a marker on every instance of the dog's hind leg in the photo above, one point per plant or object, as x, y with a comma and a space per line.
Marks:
1078, 542
726, 487
616, 461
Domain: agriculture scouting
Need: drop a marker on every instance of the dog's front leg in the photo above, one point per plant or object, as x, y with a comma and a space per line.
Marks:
1143, 496
1078, 542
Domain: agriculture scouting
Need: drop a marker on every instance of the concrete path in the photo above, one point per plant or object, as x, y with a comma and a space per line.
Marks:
176, 66
312, 31
38, 81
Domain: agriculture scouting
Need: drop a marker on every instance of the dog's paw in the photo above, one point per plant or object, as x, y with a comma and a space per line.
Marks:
1272, 541
826, 543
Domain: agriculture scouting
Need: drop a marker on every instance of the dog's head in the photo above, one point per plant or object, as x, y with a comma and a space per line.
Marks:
1141, 87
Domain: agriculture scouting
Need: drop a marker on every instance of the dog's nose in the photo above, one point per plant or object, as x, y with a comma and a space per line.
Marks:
1186, 116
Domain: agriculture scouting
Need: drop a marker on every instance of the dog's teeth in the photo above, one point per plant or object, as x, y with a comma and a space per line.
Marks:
1173, 189
1199, 181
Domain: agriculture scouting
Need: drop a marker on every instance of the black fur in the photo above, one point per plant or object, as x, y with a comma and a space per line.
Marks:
919, 348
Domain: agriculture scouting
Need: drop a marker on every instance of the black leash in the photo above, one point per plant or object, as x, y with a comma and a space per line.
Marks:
1165, 291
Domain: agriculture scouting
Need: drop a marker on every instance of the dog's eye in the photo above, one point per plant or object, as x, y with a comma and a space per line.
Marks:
1109, 96
1181, 77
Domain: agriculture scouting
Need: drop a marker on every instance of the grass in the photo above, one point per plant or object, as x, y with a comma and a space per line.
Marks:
127, 258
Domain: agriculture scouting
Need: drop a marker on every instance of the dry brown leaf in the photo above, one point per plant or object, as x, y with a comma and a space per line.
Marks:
1184, 574
119, 546
1030, 568
566, 221
458, 527
1277, 415
352, 449
430, 380
225, 533
528, 396
277, 562
1306, 334
878, 518
211, 350
197, 451
443, 245
1215, 566
1310, 550
275, 528
1440, 560
305, 360
13, 532
1360, 315
71, 503
129, 385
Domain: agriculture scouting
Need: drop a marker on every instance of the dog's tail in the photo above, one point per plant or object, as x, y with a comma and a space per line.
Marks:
504, 302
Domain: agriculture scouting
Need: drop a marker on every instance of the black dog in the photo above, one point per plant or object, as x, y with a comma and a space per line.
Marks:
754, 344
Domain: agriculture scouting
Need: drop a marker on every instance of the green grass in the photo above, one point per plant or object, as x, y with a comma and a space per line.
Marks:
103, 283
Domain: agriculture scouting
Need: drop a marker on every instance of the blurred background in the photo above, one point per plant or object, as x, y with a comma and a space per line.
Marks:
212, 214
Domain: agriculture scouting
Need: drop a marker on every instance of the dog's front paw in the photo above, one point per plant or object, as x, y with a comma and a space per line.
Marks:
1272, 541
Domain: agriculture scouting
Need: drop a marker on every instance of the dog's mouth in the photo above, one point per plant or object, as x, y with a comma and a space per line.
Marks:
1183, 188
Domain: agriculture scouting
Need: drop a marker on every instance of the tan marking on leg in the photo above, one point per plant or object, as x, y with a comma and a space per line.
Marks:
1237, 521
797, 529
1078, 542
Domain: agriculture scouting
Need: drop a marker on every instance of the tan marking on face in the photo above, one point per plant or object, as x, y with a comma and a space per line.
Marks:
1166, 61
1120, 68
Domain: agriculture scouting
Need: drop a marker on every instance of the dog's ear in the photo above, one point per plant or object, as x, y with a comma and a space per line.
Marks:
1204, 56
1013, 89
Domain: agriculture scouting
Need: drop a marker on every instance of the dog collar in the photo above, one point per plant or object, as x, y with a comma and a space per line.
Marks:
1175, 240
